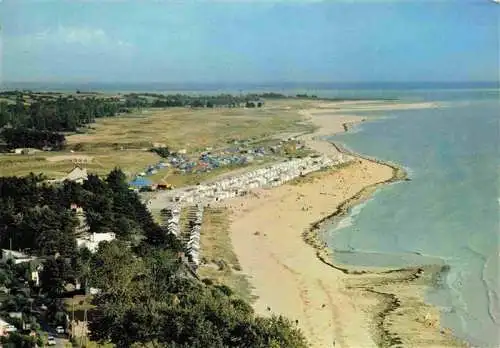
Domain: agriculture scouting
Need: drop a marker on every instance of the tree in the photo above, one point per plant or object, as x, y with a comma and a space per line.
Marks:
117, 181
17, 340
115, 268
167, 308
83, 265
162, 266
27, 137
55, 274
5, 114
46, 231
94, 184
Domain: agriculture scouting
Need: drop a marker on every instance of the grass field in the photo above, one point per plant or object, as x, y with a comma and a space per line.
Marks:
101, 162
188, 129
124, 141
220, 262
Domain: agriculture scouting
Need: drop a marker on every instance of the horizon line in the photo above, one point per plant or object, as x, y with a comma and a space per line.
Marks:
249, 82
275, 85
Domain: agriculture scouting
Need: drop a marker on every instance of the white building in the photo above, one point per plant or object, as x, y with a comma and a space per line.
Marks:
19, 257
91, 241
16, 256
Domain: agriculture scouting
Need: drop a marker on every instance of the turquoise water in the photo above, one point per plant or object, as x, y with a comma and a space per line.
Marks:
448, 213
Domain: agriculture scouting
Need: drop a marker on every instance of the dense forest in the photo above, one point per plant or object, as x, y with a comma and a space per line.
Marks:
61, 114
33, 138
36, 121
148, 295
37, 216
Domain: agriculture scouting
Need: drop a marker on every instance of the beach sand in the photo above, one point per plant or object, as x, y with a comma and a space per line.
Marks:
275, 239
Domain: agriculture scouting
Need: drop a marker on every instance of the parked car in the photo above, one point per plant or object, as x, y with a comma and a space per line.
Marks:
60, 330
51, 341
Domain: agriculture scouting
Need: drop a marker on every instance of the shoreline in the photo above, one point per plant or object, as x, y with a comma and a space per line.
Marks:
368, 306
311, 236
389, 301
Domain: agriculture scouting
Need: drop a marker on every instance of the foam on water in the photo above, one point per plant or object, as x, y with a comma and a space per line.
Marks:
344, 222
347, 220
490, 272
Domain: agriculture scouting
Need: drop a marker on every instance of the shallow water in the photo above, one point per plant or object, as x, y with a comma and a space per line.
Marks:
448, 212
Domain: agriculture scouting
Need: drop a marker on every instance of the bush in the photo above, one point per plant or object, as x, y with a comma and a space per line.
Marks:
161, 151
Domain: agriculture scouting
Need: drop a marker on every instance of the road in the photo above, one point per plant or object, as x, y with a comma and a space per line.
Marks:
61, 340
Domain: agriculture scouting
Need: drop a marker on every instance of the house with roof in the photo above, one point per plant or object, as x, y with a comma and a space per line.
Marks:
16, 257
77, 174
91, 241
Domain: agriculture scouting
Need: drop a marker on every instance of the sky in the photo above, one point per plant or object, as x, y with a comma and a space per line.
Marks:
249, 41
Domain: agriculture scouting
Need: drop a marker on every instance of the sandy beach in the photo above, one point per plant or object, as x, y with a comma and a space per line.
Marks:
274, 236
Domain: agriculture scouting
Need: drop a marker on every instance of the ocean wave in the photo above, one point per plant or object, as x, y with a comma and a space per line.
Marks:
492, 286
466, 311
433, 259
409, 172
455, 281
343, 223
493, 305
348, 220
475, 252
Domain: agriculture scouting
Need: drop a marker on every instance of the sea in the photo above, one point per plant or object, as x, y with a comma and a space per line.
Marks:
447, 214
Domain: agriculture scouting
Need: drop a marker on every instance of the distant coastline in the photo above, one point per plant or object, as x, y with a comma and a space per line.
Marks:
238, 86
